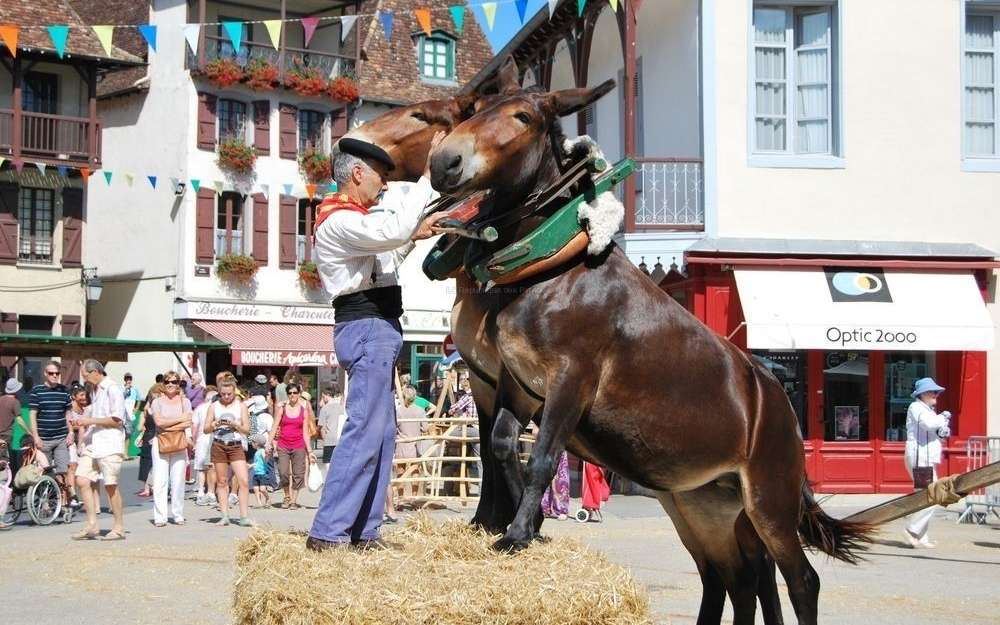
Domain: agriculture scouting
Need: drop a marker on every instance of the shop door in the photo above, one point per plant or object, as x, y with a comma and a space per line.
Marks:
422, 371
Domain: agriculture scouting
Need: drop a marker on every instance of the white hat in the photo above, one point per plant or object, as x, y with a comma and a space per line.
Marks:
13, 386
260, 379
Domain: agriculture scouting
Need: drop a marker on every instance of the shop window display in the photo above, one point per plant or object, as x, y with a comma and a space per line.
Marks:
845, 393
791, 369
902, 369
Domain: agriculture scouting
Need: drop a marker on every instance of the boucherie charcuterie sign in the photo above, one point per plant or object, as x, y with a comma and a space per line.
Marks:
278, 358
232, 311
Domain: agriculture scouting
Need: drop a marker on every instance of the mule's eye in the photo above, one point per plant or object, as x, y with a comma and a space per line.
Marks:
417, 115
523, 117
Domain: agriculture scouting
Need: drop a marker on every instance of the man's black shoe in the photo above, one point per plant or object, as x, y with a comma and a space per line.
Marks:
318, 544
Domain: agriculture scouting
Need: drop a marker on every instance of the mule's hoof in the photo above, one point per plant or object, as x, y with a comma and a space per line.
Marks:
510, 545
542, 539
488, 527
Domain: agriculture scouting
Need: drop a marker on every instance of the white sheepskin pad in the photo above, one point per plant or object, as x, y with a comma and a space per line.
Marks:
602, 217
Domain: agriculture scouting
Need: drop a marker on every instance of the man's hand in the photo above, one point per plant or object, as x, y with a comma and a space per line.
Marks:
426, 228
438, 138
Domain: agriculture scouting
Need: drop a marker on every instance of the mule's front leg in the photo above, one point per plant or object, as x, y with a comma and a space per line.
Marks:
563, 409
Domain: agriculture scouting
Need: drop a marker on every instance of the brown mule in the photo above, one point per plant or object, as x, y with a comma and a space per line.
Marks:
664, 402
407, 131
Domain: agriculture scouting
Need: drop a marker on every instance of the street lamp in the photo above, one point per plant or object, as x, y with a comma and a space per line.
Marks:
93, 286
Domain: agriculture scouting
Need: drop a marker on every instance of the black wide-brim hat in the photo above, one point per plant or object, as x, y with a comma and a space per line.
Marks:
363, 149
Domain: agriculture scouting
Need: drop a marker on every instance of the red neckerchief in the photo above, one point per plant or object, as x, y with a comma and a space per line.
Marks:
336, 202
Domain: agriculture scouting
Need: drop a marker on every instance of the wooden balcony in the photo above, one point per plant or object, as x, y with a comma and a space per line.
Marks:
51, 139
329, 64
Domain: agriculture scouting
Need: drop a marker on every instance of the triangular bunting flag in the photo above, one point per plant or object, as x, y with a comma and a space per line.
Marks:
2, 161
8, 33
288, 189
18, 165
346, 24
152, 181
174, 182
129, 179
104, 35
219, 187
63, 170
191, 32
333, 187
196, 184
386, 18
266, 190
234, 30
107, 177
579, 7
41, 168
310, 190
424, 19
149, 34
522, 6
58, 33
273, 32
552, 7
309, 25
490, 11
458, 16
85, 174
614, 5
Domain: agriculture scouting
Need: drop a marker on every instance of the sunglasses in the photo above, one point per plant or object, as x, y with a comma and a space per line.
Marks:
293, 393
171, 382
53, 372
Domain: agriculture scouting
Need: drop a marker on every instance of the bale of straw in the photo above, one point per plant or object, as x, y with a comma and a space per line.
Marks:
435, 573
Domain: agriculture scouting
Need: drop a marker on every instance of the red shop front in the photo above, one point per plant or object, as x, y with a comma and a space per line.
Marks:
847, 334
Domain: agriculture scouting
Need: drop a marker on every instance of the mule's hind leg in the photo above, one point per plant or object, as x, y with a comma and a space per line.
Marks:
772, 500
564, 406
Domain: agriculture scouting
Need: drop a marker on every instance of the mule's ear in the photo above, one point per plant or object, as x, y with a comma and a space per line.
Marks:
570, 101
509, 77
466, 103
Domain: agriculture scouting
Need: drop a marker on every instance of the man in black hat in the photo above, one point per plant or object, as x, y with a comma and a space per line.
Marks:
358, 253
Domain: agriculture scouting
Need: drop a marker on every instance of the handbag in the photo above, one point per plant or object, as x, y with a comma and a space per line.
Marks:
171, 441
922, 476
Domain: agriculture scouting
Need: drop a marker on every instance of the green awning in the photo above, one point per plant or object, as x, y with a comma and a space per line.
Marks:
95, 346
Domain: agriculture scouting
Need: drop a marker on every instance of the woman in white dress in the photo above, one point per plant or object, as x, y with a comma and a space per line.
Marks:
924, 430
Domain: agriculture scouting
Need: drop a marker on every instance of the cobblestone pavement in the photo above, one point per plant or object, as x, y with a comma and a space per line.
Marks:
184, 574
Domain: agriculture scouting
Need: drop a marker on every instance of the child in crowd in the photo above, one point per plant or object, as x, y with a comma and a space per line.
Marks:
260, 477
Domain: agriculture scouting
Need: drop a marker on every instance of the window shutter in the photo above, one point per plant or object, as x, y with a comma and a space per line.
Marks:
260, 228
338, 125
70, 366
8, 325
288, 144
262, 127
8, 223
288, 222
72, 251
206, 121
205, 222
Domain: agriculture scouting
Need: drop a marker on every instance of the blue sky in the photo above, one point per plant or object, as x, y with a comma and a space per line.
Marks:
507, 21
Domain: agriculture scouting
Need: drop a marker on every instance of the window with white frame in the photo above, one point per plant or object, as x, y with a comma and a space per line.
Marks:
982, 50
35, 222
437, 57
232, 120
794, 80
304, 230
229, 224
311, 130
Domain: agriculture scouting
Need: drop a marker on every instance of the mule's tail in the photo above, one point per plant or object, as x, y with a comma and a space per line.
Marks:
837, 538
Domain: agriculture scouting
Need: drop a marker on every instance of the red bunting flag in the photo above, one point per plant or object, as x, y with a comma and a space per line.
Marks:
424, 19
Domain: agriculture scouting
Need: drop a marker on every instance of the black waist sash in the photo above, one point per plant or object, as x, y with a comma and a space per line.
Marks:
384, 302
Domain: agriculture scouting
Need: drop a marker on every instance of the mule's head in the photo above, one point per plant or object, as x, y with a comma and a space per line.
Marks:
505, 144
406, 132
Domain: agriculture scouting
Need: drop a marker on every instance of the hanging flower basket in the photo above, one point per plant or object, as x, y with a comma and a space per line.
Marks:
238, 268
306, 81
309, 276
344, 89
261, 75
236, 157
315, 166
223, 72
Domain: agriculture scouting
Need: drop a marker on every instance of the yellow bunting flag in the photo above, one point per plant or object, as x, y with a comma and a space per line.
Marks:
614, 5
104, 34
219, 186
273, 31
424, 19
8, 33
490, 11
129, 179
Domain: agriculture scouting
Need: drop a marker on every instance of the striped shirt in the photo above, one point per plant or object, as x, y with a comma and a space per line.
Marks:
51, 403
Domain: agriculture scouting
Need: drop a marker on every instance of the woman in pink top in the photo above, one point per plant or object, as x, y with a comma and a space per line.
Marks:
289, 435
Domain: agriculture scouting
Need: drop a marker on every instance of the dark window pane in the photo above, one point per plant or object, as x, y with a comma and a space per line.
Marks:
845, 392
310, 130
792, 370
34, 213
232, 119
902, 369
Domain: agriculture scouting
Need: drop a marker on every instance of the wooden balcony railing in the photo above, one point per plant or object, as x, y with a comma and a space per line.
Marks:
52, 138
286, 59
669, 193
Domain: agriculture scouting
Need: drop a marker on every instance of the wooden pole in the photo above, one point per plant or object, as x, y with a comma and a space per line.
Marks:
914, 502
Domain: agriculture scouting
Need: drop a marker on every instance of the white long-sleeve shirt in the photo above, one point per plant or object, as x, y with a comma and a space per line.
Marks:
355, 252
923, 447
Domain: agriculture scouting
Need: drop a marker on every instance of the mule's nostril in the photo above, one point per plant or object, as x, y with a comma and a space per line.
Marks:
455, 162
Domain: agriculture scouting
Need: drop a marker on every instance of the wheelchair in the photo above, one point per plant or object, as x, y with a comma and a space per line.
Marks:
41, 500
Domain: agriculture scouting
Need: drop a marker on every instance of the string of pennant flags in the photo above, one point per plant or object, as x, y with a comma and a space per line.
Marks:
59, 33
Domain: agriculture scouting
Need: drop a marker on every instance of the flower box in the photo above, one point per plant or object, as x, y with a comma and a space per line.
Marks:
261, 75
306, 81
315, 166
223, 72
236, 157
238, 268
344, 89
309, 276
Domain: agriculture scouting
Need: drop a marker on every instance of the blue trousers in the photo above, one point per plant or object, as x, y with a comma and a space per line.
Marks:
353, 499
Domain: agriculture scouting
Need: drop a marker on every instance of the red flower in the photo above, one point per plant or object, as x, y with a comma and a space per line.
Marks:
223, 72
261, 75
344, 89
315, 166
237, 157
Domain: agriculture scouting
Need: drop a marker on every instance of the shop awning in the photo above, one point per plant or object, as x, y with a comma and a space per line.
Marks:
99, 347
275, 344
866, 308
